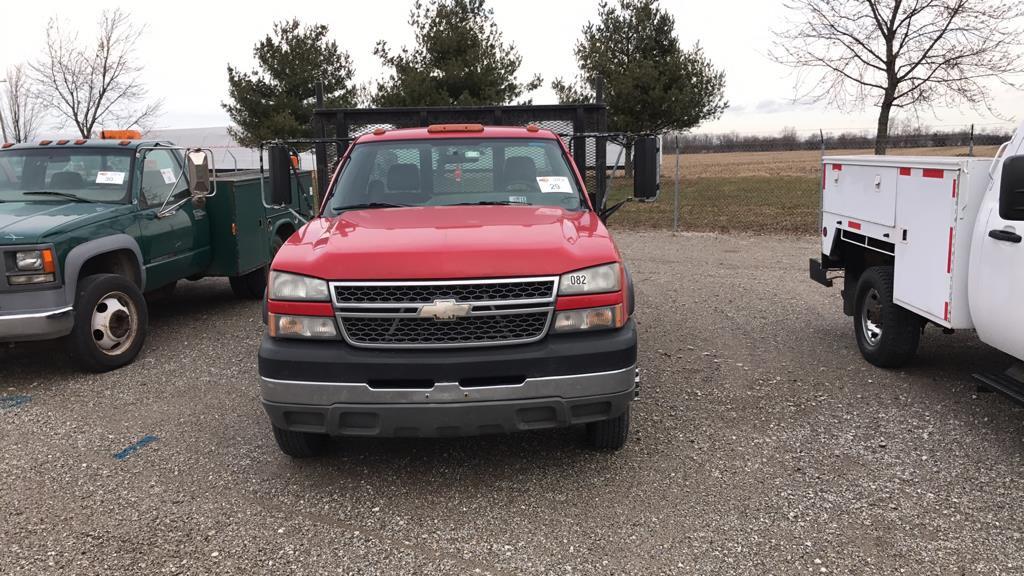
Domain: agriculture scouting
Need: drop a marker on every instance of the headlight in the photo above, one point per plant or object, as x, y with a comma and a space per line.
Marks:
35, 260
589, 319
591, 280
285, 286
288, 326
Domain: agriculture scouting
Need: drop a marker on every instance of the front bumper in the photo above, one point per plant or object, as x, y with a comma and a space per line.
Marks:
333, 388
37, 325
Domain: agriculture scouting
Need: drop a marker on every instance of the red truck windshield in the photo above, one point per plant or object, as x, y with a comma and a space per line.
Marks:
457, 171
92, 174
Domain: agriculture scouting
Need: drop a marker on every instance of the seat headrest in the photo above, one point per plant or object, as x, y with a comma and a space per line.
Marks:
518, 168
66, 181
404, 178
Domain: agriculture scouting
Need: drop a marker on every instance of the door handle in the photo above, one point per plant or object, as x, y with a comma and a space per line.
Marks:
1004, 236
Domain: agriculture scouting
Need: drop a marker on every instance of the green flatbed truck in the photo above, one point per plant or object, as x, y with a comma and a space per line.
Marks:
90, 228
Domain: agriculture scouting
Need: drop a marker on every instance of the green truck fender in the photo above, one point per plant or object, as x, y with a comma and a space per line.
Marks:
119, 251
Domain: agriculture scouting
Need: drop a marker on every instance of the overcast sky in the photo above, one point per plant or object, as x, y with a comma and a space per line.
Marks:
185, 51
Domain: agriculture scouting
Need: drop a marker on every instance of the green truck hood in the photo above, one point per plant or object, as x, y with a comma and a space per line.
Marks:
31, 222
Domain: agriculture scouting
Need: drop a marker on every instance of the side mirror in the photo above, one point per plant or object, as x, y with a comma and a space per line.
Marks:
1011, 189
280, 160
198, 166
646, 167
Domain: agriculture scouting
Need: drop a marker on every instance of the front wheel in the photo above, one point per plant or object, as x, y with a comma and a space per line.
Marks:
887, 333
609, 434
300, 444
110, 323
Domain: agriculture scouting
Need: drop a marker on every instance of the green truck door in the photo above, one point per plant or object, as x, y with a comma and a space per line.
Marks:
177, 245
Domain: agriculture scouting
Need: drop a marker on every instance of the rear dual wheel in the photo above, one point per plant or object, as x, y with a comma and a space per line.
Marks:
887, 333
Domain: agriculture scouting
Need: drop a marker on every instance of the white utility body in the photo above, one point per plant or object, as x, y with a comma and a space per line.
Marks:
940, 237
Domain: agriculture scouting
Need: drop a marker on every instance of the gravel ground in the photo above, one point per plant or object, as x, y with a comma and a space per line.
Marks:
762, 444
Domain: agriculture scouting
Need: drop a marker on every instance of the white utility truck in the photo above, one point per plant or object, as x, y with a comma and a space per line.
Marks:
928, 240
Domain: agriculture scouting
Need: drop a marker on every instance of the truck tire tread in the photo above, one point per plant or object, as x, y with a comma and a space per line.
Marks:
901, 332
611, 434
300, 444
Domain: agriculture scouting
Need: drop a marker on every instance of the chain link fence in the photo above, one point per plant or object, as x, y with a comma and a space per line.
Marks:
765, 185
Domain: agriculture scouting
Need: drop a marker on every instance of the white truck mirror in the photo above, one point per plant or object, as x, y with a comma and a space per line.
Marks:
1011, 189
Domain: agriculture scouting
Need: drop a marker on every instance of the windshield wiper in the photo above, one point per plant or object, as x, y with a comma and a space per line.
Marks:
491, 203
368, 205
67, 195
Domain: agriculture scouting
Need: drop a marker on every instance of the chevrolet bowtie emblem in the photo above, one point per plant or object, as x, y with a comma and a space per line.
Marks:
444, 310
12, 237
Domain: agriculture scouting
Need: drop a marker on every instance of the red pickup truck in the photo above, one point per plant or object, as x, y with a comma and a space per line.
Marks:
457, 281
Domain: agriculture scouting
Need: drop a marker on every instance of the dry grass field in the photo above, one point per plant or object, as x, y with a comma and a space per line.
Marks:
754, 192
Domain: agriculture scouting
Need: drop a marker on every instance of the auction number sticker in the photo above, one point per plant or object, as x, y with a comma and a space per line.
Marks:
110, 177
168, 174
557, 184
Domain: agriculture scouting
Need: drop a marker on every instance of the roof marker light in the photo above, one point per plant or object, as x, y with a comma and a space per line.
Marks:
8, 144
44, 142
441, 128
62, 142
378, 131
532, 128
124, 142
80, 141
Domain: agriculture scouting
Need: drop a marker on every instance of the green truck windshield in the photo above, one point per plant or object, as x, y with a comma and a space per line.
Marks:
457, 171
90, 174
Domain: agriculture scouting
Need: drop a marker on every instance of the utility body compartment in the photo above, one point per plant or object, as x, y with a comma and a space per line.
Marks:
919, 210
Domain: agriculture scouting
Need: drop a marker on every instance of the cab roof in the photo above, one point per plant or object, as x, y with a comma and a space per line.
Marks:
85, 143
433, 132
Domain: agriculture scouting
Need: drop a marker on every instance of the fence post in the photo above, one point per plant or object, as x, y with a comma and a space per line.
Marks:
970, 146
821, 134
675, 203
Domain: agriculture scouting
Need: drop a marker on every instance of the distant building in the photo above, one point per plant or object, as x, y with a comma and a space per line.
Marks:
227, 153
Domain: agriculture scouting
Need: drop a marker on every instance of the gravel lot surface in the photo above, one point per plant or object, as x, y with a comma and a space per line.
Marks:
762, 444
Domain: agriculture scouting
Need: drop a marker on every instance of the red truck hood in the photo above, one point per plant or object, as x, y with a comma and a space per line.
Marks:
447, 242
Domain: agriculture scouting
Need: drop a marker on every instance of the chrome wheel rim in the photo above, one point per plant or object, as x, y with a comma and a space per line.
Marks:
115, 322
871, 317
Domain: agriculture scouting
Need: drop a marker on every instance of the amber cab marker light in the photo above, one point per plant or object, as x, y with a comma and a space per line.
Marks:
62, 142
8, 144
80, 142
441, 128
378, 131
124, 142
532, 128
44, 142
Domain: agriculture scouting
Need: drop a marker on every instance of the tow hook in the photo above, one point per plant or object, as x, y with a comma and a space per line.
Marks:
636, 384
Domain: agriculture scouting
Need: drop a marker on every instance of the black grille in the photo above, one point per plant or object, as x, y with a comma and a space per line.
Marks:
427, 331
412, 294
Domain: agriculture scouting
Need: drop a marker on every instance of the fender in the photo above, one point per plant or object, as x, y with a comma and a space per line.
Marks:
79, 254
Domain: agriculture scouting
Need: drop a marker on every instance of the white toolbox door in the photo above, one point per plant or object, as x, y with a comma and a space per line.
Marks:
866, 193
926, 213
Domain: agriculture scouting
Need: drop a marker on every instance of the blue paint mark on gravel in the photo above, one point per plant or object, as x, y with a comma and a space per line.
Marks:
8, 402
132, 449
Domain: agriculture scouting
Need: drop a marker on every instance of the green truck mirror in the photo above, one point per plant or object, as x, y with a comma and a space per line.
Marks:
280, 160
198, 165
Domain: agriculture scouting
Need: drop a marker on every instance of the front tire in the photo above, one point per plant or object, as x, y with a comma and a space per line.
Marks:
111, 319
300, 444
609, 435
887, 334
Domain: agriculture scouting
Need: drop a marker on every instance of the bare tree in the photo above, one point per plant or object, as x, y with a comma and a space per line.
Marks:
20, 112
903, 54
95, 84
